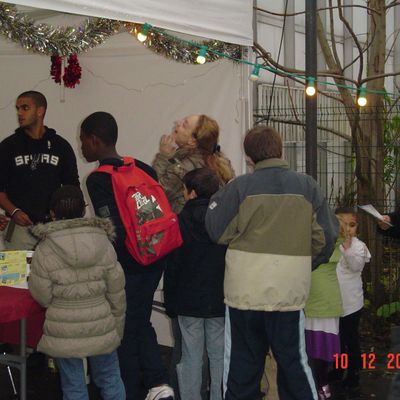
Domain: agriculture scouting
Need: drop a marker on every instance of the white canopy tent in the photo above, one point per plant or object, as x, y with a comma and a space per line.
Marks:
145, 92
226, 20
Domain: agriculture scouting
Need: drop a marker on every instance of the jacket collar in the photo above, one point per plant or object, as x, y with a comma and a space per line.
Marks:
272, 163
183, 152
42, 230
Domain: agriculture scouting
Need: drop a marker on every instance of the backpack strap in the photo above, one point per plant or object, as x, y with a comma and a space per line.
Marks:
109, 169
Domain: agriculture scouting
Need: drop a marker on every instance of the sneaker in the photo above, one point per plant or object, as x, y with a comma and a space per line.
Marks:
163, 392
327, 391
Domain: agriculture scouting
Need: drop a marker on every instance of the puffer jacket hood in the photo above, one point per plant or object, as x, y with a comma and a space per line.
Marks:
76, 275
74, 251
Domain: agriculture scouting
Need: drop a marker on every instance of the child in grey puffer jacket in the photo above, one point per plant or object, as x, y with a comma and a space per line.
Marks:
76, 275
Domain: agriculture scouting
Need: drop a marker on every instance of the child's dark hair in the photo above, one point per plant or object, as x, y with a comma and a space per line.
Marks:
203, 181
347, 210
102, 125
67, 202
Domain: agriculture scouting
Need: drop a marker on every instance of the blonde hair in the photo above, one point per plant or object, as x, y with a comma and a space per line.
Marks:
206, 134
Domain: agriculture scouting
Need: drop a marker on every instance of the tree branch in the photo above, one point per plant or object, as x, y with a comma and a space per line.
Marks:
369, 9
392, 4
371, 78
333, 41
299, 123
353, 35
287, 71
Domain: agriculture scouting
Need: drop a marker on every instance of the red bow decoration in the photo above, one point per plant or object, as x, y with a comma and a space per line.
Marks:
72, 72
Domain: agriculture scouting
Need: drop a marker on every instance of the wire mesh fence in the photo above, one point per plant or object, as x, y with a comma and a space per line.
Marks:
341, 165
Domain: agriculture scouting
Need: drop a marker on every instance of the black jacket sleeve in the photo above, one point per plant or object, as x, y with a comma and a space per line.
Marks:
69, 169
394, 231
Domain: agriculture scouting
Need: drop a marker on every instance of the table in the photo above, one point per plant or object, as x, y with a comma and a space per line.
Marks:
21, 321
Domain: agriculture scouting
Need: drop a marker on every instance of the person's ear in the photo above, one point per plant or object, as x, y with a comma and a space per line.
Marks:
192, 142
41, 111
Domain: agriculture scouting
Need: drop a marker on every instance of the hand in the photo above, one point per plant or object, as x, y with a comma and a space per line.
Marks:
3, 222
347, 242
167, 145
384, 223
21, 218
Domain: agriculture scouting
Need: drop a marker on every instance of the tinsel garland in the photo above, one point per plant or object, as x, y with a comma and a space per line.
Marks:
47, 39
55, 70
73, 72
178, 50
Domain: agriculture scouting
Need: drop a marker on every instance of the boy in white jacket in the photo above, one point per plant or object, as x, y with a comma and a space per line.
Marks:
354, 255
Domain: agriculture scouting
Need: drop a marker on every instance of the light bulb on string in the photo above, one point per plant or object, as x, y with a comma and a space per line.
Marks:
255, 74
142, 35
310, 89
362, 100
201, 58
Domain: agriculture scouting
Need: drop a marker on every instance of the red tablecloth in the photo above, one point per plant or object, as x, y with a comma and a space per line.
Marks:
16, 304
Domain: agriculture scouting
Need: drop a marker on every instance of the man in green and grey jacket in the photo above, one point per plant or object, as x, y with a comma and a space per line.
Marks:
278, 226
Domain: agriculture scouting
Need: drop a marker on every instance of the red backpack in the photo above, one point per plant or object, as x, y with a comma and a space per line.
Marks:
152, 229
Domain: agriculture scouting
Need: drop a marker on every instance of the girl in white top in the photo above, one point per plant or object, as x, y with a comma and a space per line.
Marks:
354, 255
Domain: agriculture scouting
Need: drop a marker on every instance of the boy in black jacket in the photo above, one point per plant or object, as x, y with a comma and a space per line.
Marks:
139, 355
194, 289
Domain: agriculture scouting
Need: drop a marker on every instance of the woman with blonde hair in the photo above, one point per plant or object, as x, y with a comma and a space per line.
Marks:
192, 144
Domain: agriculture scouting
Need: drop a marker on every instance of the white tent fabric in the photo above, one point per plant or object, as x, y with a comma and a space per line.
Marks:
226, 20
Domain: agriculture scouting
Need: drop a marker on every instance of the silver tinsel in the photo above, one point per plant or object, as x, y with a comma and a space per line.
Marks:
47, 39
183, 51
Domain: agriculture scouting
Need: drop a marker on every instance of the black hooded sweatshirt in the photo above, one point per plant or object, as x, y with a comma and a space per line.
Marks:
194, 277
32, 169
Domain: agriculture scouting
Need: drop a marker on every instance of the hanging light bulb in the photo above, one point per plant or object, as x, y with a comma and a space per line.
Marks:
201, 58
255, 74
362, 100
142, 36
310, 89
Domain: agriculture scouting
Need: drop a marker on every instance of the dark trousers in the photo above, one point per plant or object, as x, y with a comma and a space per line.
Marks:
139, 355
248, 336
350, 343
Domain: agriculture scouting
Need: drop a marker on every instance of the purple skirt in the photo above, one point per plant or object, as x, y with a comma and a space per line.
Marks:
322, 345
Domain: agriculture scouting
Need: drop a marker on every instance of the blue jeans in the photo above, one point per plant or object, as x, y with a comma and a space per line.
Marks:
139, 355
195, 333
104, 370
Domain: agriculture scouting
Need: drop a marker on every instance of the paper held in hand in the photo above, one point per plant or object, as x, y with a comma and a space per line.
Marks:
370, 209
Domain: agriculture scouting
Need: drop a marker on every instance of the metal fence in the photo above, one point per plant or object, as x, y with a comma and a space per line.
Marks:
284, 109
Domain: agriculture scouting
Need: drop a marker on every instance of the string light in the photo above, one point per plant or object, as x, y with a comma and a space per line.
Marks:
65, 41
142, 36
201, 58
362, 100
311, 81
255, 74
310, 90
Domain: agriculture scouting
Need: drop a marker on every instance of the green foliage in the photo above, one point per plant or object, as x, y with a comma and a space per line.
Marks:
391, 141
387, 310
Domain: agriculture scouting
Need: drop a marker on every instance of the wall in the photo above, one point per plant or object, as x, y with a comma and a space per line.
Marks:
144, 91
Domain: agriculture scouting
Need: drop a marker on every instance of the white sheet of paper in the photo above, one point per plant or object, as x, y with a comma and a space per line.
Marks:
370, 209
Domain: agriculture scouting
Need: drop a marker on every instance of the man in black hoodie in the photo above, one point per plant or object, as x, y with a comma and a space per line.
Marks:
34, 162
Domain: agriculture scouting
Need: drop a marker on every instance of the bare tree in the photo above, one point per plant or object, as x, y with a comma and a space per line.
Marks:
367, 124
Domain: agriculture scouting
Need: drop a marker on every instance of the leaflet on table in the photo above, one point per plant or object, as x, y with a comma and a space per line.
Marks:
14, 268
370, 209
